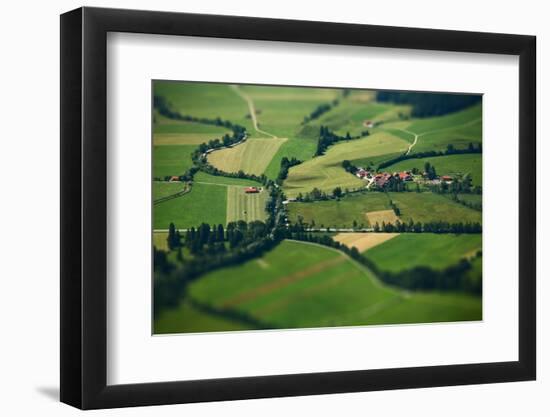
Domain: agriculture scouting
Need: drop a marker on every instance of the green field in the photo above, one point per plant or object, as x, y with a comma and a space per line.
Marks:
172, 160
435, 133
430, 207
325, 172
437, 251
166, 189
206, 100
212, 199
204, 178
341, 213
446, 165
420, 207
205, 203
247, 207
299, 285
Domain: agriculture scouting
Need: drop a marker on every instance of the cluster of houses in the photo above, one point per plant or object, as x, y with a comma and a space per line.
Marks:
380, 179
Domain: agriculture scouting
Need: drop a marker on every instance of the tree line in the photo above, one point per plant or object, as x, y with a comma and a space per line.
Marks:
451, 150
286, 164
429, 104
327, 138
427, 227
207, 243
320, 110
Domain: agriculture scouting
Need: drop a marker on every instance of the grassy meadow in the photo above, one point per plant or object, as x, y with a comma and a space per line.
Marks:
423, 249
469, 164
418, 207
304, 285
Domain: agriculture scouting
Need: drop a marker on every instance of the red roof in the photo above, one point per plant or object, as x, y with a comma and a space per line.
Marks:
251, 190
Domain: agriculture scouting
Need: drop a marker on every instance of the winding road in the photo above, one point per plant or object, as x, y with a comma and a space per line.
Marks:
251, 109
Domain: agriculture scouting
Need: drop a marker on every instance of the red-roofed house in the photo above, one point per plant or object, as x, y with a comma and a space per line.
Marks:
251, 190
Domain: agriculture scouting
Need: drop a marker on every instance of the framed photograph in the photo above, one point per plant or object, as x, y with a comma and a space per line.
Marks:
258, 208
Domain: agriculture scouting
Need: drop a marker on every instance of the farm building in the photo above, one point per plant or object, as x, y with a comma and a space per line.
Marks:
174, 179
251, 190
446, 178
405, 176
362, 173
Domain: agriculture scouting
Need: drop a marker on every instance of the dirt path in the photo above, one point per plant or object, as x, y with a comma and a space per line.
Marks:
251, 109
417, 135
412, 144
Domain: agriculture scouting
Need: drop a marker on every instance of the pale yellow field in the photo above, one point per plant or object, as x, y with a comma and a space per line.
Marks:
242, 206
253, 156
160, 139
325, 172
386, 216
363, 241
159, 240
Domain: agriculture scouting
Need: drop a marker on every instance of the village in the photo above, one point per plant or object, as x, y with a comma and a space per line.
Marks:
381, 179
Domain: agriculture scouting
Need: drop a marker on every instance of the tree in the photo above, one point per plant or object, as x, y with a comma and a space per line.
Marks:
220, 233
173, 238
337, 192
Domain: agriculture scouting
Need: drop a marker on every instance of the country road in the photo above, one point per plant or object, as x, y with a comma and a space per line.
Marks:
251, 109
414, 142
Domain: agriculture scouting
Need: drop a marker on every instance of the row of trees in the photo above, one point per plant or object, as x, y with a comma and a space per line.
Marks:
429, 104
428, 227
450, 150
320, 110
286, 164
164, 107
208, 246
328, 137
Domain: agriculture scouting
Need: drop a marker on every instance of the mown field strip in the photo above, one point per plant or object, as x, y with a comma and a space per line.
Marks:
363, 241
253, 156
242, 206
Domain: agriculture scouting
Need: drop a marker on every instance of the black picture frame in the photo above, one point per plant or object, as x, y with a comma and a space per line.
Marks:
84, 207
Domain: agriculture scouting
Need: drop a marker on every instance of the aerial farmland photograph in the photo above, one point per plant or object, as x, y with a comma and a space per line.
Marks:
278, 207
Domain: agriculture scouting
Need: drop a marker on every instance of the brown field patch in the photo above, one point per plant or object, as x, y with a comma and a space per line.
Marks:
386, 216
363, 241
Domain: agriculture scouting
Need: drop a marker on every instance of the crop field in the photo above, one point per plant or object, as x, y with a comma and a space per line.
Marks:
363, 241
423, 249
429, 207
212, 200
206, 100
341, 213
172, 160
381, 216
325, 172
159, 240
435, 133
420, 207
204, 178
166, 189
252, 156
304, 285
351, 115
247, 207
205, 203
446, 165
